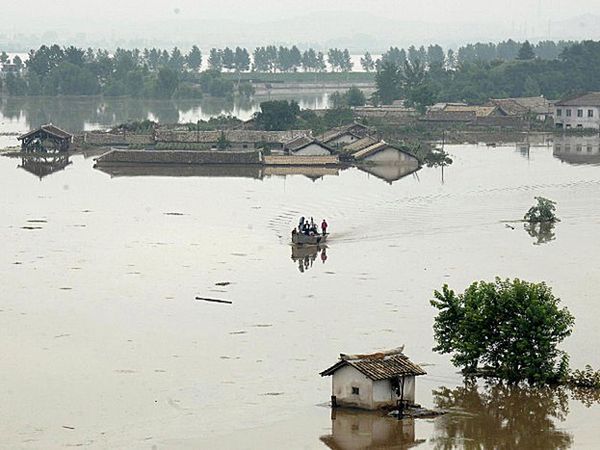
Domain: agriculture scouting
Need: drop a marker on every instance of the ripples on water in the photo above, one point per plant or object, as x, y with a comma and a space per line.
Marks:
98, 312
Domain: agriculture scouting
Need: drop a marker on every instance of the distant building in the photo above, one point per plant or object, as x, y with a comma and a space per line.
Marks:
582, 111
46, 138
340, 136
537, 107
577, 149
373, 381
307, 146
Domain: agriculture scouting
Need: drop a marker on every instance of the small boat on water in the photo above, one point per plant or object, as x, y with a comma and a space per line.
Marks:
308, 239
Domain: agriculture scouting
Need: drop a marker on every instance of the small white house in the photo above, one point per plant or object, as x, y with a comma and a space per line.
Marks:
384, 153
373, 381
578, 112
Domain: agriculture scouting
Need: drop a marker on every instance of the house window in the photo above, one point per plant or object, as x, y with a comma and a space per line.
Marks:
580, 113
590, 113
578, 148
559, 112
568, 113
589, 148
355, 390
580, 126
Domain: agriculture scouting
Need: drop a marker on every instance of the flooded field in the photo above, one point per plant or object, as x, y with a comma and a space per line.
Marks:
75, 114
105, 346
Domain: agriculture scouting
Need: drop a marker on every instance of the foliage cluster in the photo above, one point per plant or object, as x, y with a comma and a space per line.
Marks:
544, 211
587, 378
352, 97
505, 329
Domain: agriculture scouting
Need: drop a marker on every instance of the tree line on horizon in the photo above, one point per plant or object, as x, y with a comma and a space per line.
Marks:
160, 73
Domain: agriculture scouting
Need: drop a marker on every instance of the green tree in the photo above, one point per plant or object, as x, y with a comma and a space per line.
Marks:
241, 60
166, 83
355, 97
4, 58
215, 60
367, 62
544, 211
526, 52
387, 80
194, 58
277, 115
223, 143
505, 329
228, 58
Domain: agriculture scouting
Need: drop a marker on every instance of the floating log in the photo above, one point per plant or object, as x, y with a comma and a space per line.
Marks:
214, 300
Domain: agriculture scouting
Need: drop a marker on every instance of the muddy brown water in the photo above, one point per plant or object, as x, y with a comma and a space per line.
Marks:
103, 344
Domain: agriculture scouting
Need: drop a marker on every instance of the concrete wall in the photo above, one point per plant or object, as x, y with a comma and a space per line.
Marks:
573, 121
296, 160
391, 156
106, 139
343, 380
178, 157
384, 395
312, 150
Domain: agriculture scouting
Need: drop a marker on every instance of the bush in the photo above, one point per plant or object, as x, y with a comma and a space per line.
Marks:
542, 212
505, 329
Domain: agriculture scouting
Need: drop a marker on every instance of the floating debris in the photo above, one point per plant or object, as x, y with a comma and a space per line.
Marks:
27, 227
223, 283
174, 214
214, 300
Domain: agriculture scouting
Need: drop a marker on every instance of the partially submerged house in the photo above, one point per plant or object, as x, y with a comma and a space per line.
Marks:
538, 107
373, 381
582, 111
340, 136
47, 138
307, 146
383, 153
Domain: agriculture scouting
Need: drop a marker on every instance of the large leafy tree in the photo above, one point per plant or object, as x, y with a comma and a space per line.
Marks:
277, 115
508, 329
194, 58
387, 80
526, 52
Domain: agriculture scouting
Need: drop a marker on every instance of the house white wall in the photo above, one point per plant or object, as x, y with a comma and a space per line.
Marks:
577, 145
391, 155
568, 117
313, 150
371, 394
343, 380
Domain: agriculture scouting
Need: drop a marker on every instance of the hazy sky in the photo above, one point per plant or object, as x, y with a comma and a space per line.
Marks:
302, 20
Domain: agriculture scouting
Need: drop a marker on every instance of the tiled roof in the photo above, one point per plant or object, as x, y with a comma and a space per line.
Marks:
298, 143
377, 147
522, 105
480, 111
379, 366
589, 99
355, 146
355, 129
50, 129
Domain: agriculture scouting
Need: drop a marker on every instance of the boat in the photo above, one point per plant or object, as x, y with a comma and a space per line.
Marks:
306, 239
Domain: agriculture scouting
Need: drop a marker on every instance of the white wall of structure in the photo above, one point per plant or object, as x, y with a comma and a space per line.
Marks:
569, 117
312, 150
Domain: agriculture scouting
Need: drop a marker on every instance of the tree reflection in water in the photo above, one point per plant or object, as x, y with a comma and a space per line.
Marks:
501, 417
542, 232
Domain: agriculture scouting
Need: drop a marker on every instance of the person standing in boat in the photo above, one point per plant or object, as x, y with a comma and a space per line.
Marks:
324, 227
301, 224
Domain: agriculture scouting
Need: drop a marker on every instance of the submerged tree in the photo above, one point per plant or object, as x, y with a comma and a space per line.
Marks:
544, 211
505, 329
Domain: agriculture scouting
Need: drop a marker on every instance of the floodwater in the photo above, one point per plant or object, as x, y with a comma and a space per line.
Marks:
75, 114
104, 345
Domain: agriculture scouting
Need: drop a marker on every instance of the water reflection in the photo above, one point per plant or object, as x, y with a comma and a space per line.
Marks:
359, 430
542, 232
305, 257
232, 171
389, 173
501, 416
42, 165
577, 149
77, 114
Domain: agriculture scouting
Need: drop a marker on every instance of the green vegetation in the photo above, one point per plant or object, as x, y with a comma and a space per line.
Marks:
279, 115
587, 378
504, 329
221, 122
352, 97
428, 77
544, 211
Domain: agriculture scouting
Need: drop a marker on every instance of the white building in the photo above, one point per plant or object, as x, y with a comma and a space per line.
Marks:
578, 112
383, 153
373, 381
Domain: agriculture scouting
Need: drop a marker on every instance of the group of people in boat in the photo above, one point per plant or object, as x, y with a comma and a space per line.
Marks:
309, 227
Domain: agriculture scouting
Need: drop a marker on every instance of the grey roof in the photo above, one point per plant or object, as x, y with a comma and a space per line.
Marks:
518, 106
589, 99
355, 129
360, 144
298, 143
379, 366
49, 129
377, 147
